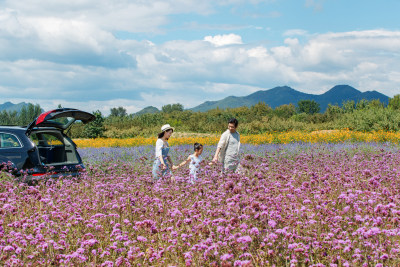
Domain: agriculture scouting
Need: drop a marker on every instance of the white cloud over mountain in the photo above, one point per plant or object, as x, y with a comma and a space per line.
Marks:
67, 52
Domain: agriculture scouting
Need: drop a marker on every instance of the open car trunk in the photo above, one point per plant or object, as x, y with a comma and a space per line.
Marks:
54, 153
54, 148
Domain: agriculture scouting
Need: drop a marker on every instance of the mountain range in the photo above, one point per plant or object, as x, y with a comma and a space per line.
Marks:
273, 97
285, 95
8, 106
149, 109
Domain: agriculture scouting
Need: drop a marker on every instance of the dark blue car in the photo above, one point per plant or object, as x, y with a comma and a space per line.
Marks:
42, 149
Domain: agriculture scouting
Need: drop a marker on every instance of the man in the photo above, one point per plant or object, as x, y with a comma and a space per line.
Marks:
228, 147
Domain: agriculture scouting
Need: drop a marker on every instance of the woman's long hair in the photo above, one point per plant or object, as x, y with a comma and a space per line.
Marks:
161, 135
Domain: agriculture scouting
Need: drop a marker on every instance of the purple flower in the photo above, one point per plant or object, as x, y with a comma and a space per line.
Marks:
226, 257
188, 255
141, 238
8, 248
254, 231
107, 264
244, 255
98, 215
384, 257
80, 250
241, 263
244, 239
272, 223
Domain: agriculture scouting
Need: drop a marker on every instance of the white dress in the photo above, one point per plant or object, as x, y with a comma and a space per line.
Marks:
194, 167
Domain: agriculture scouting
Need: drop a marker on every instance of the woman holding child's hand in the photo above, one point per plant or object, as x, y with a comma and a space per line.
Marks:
163, 161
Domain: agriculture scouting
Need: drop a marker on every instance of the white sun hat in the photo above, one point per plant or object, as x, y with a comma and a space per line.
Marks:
166, 127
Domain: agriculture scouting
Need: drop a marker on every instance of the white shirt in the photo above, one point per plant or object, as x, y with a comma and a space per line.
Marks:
159, 145
194, 163
223, 142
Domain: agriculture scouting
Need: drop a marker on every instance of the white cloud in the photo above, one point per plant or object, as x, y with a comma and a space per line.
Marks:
193, 72
317, 5
295, 32
226, 39
66, 53
121, 15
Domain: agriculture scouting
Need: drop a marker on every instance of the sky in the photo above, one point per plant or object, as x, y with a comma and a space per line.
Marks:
99, 54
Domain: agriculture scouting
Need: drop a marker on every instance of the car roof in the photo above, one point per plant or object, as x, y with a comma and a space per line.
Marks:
19, 129
12, 127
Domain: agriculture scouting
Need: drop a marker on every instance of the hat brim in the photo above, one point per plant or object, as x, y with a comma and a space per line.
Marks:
169, 128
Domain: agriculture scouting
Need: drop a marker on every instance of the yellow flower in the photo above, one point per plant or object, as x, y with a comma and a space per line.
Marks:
324, 136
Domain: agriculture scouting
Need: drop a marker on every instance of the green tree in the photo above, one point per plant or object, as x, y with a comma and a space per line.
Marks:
23, 116
118, 112
349, 106
333, 111
260, 110
27, 114
394, 103
362, 104
375, 103
33, 112
285, 111
366, 104
9, 117
95, 128
171, 108
308, 107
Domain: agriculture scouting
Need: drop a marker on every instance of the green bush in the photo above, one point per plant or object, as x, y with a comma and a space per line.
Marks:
371, 119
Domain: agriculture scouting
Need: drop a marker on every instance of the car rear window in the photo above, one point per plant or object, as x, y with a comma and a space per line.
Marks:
46, 139
8, 140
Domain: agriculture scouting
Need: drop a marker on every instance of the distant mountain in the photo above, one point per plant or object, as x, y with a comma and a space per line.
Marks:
149, 109
285, 95
8, 106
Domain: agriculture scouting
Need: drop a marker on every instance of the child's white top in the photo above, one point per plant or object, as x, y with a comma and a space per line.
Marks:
194, 164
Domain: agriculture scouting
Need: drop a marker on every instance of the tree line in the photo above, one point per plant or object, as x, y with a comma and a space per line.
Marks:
363, 115
25, 116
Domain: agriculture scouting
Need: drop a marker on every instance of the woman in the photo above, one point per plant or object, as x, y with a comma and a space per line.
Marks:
163, 162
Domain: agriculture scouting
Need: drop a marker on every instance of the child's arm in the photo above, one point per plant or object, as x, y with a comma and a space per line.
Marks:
181, 164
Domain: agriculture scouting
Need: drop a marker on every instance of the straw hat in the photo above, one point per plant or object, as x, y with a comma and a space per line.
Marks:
166, 127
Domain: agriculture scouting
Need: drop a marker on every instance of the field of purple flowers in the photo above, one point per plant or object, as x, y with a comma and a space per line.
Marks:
296, 204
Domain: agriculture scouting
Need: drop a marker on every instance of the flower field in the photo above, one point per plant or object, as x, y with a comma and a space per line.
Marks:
327, 136
296, 204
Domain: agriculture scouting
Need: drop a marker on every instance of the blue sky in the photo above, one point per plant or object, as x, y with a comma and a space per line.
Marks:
95, 55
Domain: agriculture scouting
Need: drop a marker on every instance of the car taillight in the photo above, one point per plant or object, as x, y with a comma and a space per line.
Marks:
38, 174
43, 173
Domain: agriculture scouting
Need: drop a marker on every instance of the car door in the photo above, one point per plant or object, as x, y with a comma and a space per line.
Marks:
61, 119
11, 150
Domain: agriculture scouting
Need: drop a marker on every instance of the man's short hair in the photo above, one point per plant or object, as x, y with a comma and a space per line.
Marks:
234, 121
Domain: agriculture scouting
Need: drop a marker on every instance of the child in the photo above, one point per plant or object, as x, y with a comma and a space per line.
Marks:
195, 159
